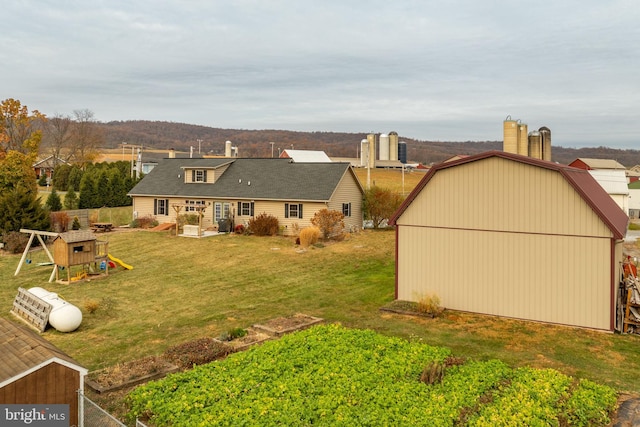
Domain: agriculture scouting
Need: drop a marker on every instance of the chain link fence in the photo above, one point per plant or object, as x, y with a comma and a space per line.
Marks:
92, 415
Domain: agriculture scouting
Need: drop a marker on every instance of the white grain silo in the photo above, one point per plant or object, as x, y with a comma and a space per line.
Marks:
510, 132
393, 145
364, 153
523, 139
535, 145
371, 140
227, 149
384, 147
545, 135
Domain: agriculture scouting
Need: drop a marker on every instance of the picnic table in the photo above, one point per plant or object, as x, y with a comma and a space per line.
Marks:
101, 226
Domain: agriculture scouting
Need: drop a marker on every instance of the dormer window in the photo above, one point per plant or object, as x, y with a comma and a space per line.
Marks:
198, 175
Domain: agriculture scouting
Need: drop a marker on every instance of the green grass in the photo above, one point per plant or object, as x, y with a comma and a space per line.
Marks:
181, 289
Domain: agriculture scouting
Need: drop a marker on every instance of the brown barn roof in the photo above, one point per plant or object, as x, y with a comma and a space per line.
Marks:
24, 351
584, 184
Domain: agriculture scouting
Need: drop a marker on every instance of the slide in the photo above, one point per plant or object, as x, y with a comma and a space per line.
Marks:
119, 261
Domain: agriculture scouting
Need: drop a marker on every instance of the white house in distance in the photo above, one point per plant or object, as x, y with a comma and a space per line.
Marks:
509, 235
611, 175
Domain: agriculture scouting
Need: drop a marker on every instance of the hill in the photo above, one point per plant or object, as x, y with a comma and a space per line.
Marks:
257, 143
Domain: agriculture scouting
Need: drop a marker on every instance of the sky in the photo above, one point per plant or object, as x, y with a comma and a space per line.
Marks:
429, 70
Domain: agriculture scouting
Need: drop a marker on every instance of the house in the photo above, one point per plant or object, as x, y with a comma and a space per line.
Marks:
509, 235
611, 175
46, 166
35, 372
634, 200
238, 189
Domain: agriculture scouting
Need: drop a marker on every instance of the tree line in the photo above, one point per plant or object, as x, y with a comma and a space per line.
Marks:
26, 136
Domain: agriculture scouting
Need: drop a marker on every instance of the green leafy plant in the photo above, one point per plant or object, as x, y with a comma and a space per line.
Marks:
233, 334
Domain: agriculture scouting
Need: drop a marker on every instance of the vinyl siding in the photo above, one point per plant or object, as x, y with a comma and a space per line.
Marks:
348, 191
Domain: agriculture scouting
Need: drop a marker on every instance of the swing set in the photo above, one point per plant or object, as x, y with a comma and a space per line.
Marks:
26, 259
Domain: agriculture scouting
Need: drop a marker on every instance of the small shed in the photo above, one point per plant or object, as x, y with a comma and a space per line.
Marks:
508, 235
78, 248
34, 371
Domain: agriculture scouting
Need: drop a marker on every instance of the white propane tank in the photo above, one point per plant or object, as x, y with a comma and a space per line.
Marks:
64, 317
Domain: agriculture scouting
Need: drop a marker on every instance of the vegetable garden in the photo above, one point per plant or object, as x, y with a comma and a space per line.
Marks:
332, 375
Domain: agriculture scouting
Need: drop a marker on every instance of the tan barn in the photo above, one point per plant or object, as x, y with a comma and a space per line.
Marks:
33, 371
509, 235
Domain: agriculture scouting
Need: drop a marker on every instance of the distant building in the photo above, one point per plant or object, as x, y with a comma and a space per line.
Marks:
611, 175
305, 156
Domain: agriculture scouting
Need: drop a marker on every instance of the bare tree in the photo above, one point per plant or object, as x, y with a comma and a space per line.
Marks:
86, 137
56, 138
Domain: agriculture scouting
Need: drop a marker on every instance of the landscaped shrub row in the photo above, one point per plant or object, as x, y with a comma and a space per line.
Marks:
331, 375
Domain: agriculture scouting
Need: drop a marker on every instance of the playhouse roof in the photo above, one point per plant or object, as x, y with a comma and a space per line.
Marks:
77, 236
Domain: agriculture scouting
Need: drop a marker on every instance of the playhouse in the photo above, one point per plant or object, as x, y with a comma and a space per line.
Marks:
80, 248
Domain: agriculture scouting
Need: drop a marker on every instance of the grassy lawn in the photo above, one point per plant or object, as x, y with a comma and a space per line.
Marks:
181, 289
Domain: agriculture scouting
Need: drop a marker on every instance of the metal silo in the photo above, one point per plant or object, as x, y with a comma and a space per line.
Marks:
393, 145
545, 134
510, 141
402, 152
523, 139
227, 149
384, 147
371, 140
364, 153
535, 145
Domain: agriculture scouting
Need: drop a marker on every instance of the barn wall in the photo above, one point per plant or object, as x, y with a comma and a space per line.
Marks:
51, 384
551, 278
502, 195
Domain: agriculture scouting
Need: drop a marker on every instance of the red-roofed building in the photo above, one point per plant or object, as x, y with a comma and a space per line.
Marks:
509, 235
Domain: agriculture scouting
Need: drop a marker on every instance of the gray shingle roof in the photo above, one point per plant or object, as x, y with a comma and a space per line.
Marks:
257, 179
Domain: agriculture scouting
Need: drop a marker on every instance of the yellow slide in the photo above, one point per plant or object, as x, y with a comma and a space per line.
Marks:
119, 261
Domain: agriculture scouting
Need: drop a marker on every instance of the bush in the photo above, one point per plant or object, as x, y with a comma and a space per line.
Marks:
144, 222
42, 181
15, 242
190, 219
330, 223
76, 223
430, 304
233, 334
309, 236
60, 221
263, 225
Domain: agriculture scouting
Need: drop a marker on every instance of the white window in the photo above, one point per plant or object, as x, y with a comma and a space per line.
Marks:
293, 210
245, 208
198, 175
346, 209
161, 206
191, 204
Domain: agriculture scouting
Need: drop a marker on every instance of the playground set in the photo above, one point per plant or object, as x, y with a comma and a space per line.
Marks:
70, 249
39, 307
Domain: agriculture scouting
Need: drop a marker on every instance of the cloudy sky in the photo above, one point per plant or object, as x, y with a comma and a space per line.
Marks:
430, 70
